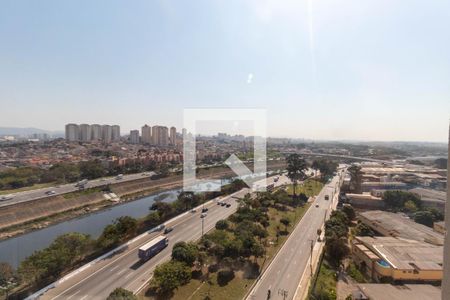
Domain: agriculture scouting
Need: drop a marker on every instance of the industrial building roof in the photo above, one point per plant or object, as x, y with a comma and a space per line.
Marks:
398, 225
375, 291
403, 254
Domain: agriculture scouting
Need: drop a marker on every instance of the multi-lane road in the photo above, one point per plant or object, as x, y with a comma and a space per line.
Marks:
126, 270
284, 273
66, 188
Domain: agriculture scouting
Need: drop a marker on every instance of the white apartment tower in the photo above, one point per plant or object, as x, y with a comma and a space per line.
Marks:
115, 132
96, 132
72, 132
106, 133
134, 136
173, 136
146, 134
85, 132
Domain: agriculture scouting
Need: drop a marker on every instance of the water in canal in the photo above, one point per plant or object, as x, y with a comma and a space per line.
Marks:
16, 249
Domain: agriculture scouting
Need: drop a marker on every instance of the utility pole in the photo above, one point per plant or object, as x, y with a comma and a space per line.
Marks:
310, 260
203, 225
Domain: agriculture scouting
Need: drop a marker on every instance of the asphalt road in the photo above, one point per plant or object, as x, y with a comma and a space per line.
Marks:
127, 271
66, 188
285, 271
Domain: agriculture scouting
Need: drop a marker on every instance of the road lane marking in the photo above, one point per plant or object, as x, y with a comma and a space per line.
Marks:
73, 294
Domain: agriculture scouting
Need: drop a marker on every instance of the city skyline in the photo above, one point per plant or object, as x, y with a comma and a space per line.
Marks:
385, 77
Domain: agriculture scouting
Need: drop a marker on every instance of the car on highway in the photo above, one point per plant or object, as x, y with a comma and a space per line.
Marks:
119, 177
50, 193
228, 205
203, 215
223, 204
193, 210
204, 210
160, 227
317, 205
168, 229
219, 202
6, 197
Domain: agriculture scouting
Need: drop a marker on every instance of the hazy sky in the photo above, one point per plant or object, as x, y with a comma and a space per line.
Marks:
323, 69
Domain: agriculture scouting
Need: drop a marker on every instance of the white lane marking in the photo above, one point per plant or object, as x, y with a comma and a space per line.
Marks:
121, 271
73, 294
112, 269
84, 297
128, 275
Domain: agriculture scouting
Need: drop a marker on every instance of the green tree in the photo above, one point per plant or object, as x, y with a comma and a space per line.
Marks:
7, 274
186, 199
285, 222
349, 212
296, 167
185, 252
126, 226
222, 225
336, 249
170, 275
121, 294
92, 169
397, 199
363, 230
424, 218
355, 178
410, 206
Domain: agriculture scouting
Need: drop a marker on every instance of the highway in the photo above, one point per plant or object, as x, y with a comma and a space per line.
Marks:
66, 188
285, 271
126, 270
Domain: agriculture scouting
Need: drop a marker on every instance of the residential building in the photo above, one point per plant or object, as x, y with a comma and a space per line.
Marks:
398, 259
106, 133
72, 132
96, 132
85, 132
173, 136
146, 134
134, 136
115, 133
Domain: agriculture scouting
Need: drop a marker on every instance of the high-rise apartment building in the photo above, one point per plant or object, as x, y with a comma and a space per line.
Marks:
72, 132
96, 132
115, 132
155, 135
173, 136
146, 134
85, 132
134, 136
106, 133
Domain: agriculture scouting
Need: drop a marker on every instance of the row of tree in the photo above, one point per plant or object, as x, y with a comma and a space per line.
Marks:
71, 249
236, 242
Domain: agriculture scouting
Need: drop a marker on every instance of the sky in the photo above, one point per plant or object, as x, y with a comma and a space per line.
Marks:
322, 69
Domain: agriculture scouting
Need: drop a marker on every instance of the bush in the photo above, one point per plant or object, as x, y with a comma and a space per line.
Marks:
121, 294
170, 275
225, 276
